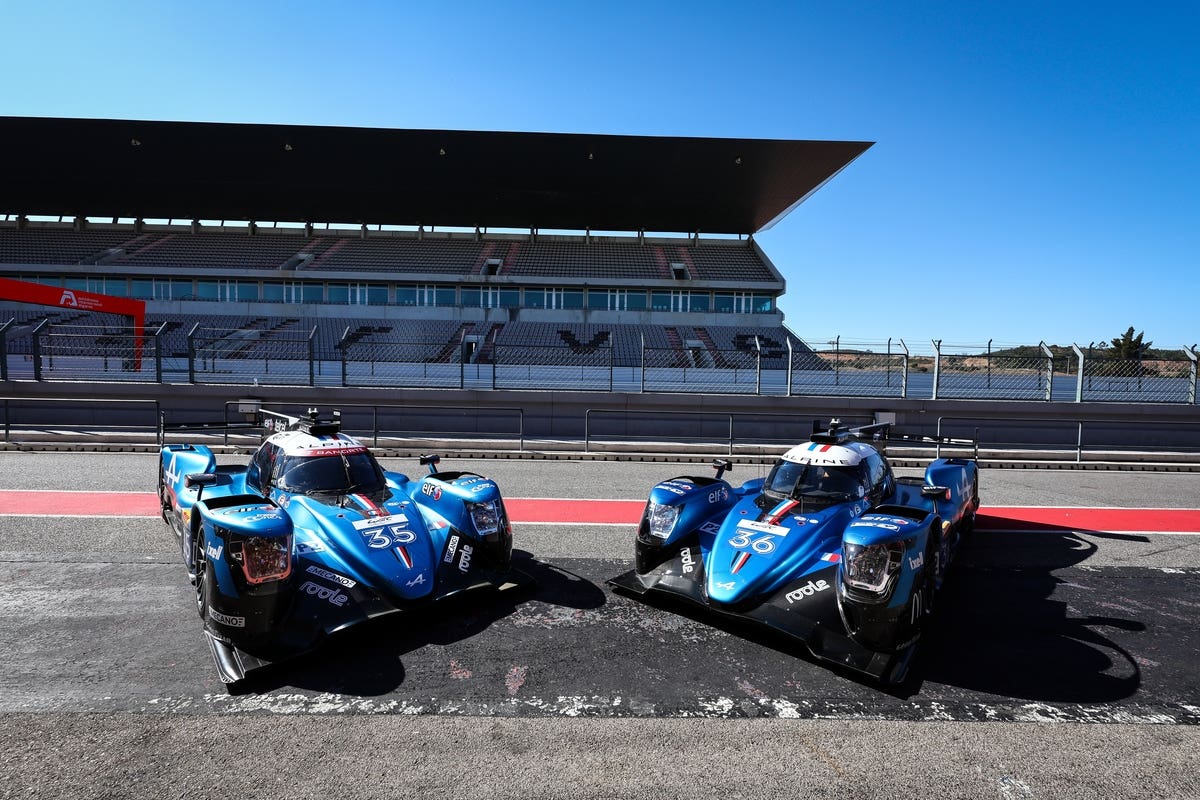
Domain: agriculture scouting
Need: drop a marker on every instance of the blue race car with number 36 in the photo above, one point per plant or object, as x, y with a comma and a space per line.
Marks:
830, 548
313, 536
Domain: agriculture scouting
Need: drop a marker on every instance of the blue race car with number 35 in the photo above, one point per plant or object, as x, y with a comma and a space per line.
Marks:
830, 548
313, 536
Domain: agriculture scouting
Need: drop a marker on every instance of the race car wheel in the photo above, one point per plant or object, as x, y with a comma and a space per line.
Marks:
200, 563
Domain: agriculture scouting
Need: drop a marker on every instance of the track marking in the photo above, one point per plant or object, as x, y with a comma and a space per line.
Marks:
569, 511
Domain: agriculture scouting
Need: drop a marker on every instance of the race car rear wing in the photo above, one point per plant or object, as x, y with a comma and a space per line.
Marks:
259, 420
881, 434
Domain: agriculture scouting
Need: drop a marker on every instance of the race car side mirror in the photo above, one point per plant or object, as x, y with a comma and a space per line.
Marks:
937, 492
199, 480
722, 465
431, 461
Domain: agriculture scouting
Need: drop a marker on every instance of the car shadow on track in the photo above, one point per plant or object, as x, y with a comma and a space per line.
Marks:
368, 660
1010, 623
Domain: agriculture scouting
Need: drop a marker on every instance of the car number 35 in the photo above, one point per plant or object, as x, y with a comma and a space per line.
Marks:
763, 544
379, 539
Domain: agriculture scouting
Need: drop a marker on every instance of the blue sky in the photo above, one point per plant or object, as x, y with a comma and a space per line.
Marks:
1035, 176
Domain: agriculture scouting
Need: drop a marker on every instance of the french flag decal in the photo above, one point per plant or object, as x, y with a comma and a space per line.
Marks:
402, 554
832, 558
739, 561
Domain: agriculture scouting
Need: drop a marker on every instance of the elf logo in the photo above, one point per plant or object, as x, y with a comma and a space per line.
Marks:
807, 590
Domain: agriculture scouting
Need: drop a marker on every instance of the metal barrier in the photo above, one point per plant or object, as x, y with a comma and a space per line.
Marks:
1070, 436
709, 427
45, 413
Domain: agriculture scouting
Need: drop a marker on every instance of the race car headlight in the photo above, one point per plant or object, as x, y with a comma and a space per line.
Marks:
869, 567
661, 518
264, 558
485, 517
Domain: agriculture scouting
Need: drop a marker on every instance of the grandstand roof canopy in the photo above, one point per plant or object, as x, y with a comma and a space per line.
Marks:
298, 173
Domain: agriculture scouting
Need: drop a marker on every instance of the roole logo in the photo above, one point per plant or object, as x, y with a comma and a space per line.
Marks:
807, 590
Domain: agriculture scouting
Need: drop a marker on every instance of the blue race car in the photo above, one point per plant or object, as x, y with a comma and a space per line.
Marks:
312, 536
830, 548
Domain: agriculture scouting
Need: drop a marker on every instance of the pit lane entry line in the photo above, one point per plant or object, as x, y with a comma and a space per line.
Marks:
567, 511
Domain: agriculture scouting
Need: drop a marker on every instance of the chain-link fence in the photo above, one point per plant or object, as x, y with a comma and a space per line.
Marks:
281, 356
252, 356
551, 367
1157, 380
700, 369
857, 371
395, 363
89, 353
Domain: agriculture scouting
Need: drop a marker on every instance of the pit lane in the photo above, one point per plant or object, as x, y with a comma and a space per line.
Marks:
1053, 624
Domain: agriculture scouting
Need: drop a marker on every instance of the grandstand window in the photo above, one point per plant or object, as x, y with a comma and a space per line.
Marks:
428, 295
406, 295
660, 301
272, 292
723, 303
311, 292
699, 301
339, 293
227, 291
141, 288
616, 300
763, 304
510, 298
377, 294
635, 301
358, 294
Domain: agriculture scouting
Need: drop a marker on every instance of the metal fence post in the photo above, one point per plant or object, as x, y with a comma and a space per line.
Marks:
35, 344
191, 339
312, 353
611, 365
904, 375
1190, 352
789, 367
158, 369
341, 346
1049, 370
4, 349
758, 366
937, 367
643, 389
1079, 375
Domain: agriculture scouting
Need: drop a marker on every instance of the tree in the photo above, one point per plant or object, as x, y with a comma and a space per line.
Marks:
1128, 347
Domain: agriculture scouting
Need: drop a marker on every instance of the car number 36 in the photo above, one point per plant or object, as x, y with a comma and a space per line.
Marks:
763, 544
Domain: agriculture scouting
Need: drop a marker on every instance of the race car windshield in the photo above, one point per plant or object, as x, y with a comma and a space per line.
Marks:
810, 481
332, 474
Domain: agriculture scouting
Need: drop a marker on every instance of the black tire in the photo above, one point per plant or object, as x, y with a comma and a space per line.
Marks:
200, 564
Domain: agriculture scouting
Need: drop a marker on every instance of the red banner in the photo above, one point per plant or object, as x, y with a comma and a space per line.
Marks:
43, 295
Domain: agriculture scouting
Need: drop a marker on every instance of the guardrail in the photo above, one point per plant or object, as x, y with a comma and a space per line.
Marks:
1070, 436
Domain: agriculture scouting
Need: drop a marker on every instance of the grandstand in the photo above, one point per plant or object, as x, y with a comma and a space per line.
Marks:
394, 290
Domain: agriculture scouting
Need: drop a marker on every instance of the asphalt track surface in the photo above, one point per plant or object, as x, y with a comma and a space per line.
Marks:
1063, 664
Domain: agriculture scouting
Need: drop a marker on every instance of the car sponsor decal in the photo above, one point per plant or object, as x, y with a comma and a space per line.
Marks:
464, 560
739, 561
431, 490
375, 522
710, 527
718, 495
388, 536
451, 547
727, 586
309, 546
417, 581
225, 619
687, 560
334, 596
807, 590
762, 527
213, 553
313, 569
918, 562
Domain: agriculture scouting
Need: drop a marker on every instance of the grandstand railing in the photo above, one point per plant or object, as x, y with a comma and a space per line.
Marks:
261, 354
